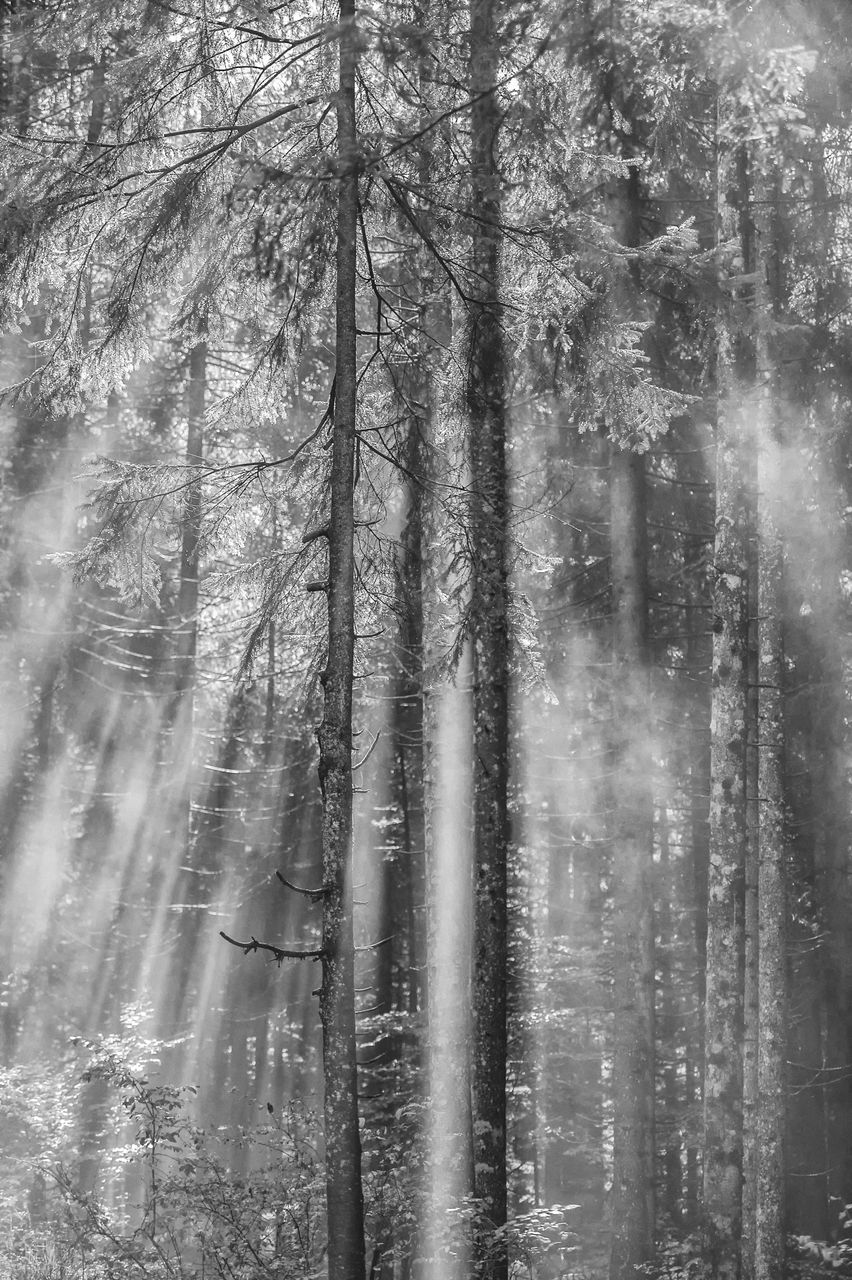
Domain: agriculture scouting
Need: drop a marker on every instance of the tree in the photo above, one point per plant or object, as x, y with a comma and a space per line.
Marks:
723, 1023
489, 645
337, 995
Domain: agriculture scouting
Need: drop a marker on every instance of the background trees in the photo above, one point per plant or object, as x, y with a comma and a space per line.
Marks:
421, 352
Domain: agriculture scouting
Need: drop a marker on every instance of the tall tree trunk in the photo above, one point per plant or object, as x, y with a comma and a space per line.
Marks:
770, 1218
448, 787
489, 635
446, 730
770, 1110
723, 1014
830, 753
632, 828
632, 854
751, 931
337, 995
409, 708
671, 1173
693, 471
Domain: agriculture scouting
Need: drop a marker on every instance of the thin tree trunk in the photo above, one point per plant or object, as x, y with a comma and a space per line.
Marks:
489, 634
633, 912
337, 995
444, 1246
671, 1179
698, 658
770, 1217
723, 1020
750, 920
633, 1068
830, 753
448, 844
408, 706
770, 1110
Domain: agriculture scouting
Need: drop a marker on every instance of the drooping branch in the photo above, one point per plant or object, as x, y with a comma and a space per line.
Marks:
315, 895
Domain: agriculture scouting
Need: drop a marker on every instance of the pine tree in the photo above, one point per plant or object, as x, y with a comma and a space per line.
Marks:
337, 995
486, 365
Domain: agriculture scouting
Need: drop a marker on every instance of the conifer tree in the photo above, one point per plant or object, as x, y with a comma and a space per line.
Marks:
337, 994
486, 401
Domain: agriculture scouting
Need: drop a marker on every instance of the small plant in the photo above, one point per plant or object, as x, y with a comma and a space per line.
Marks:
167, 1204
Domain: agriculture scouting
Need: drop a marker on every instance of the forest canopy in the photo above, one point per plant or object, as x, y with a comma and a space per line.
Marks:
425, 492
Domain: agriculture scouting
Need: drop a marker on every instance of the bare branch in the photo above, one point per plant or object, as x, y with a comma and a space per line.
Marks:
315, 895
278, 953
371, 946
368, 752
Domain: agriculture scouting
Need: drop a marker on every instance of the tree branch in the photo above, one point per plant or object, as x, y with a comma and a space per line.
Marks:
278, 953
315, 895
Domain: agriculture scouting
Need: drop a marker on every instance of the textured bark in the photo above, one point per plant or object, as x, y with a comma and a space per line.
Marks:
670, 1178
772, 914
693, 468
344, 1192
829, 771
832, 886
750, 920
723, 1020
409, 711
632, 857
770, 1109
489, 635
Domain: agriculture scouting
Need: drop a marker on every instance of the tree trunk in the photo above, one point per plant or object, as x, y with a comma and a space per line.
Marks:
344, 1192
489, 635
448, 787
633, 911
770, 1223
723, 1015
751, 930
670, 1179
830, 735
770, 1110
693, 469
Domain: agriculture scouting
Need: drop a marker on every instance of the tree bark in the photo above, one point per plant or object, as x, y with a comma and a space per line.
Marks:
723, 1015
751, 1003
770, 1110
770, 1164
344, 1191
830, 753
670, 1177
694, 471
489, 636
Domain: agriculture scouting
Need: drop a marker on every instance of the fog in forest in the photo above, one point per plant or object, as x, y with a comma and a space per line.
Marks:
425, 496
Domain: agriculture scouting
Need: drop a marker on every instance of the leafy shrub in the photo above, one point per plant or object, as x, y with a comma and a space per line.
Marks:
168, 1204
